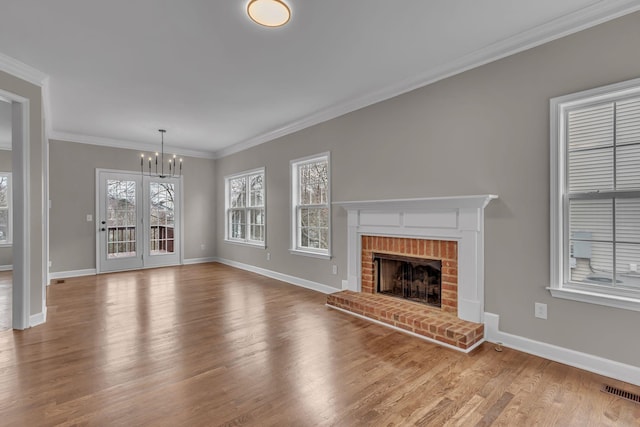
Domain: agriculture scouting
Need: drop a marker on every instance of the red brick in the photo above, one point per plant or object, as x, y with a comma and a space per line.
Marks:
450, 271
403, 326
449, 279
420, 247
428, 249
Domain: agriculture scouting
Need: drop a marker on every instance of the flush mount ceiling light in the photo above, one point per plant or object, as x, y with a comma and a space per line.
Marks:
270, 13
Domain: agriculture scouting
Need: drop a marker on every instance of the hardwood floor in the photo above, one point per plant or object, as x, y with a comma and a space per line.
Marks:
211, 345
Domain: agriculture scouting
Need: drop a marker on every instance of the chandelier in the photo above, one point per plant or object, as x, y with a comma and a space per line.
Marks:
174, 164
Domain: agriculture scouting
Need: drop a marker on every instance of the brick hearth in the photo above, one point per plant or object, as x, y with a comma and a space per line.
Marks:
439, 324
417, 318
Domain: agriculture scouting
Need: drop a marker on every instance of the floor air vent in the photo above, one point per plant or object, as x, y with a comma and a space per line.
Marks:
621, 393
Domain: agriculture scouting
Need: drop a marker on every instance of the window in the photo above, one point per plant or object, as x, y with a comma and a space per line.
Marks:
595, 196
5, 208
245, 201
311, 206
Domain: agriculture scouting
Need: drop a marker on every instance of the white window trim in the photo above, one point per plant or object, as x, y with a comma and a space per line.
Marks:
294, 249
9, 242
559, 284
246, 241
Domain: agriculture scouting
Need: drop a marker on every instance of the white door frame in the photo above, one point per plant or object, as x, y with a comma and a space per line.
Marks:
99, 267
21, 303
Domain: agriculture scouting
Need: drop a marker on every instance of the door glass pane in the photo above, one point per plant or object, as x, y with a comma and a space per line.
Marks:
121, 218
162, 218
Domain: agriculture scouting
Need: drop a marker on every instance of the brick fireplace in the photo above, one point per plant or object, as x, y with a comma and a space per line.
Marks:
448, 230
444, 250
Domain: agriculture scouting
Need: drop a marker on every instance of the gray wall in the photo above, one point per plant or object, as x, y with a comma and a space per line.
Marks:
482, 131
35, 189
6, 253
72, 192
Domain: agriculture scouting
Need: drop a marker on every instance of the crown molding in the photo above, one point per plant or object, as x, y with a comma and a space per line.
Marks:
587, 17
21, 70
130, 145
29, 74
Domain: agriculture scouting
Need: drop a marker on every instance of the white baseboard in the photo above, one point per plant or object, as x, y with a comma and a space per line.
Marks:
198, 260
38, 319
72, 273
588, 362
280, 276
93, 271
6, 267
413, 334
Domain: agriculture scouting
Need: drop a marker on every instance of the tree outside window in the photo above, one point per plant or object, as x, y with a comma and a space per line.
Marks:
245, 199
311, 205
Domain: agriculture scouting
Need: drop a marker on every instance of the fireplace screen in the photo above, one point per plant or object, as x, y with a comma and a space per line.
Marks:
414, 279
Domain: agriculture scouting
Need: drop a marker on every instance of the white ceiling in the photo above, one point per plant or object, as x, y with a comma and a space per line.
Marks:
119, 70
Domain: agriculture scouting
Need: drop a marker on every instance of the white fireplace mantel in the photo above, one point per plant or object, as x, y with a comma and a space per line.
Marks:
436, 218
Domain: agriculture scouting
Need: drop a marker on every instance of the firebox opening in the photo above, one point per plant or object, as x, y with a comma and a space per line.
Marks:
414, 279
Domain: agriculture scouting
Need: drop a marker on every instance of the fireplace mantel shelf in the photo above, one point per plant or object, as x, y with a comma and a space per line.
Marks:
450, 202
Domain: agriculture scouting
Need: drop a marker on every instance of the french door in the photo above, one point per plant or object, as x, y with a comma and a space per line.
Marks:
138, 221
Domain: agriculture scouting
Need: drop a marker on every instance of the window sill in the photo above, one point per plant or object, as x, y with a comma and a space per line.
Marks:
626, 303
6, 245
309, 254
244, 243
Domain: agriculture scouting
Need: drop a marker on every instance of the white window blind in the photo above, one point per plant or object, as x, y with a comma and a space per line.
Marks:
596, 200
604, 212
